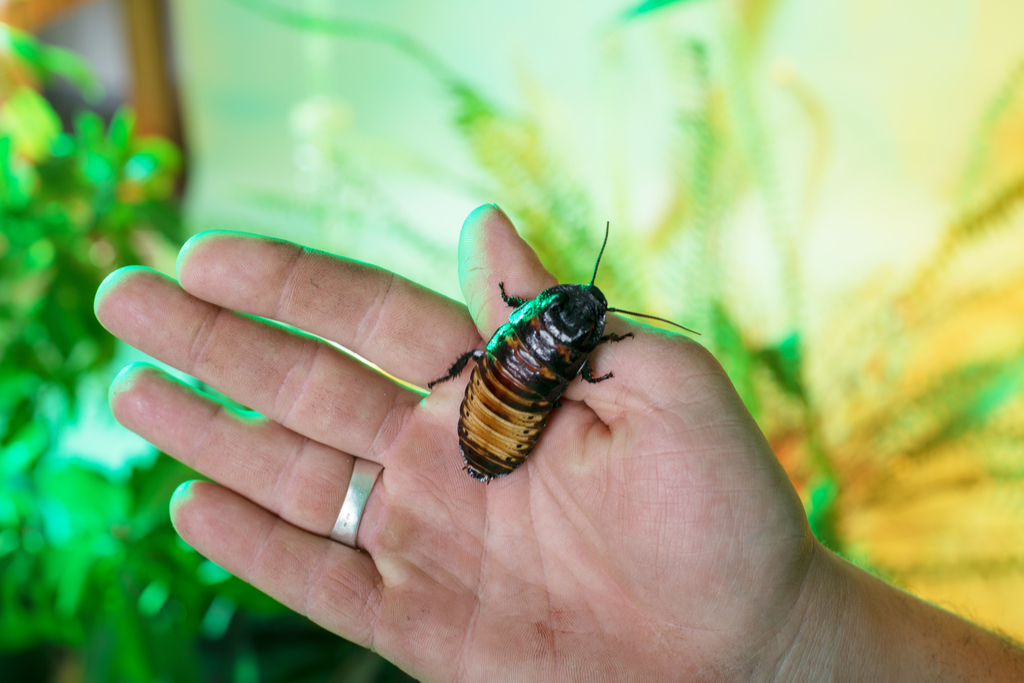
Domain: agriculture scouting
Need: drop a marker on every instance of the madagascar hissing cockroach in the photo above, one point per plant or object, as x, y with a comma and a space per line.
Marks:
526, 367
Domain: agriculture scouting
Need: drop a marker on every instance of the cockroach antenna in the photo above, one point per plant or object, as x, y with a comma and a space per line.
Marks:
607, 227
652, 317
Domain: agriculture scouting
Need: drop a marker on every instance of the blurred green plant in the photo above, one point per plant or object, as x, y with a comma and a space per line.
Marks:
76, 549
95, 585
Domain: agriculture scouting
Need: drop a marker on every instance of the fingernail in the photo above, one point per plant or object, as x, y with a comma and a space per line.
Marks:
183, 252
502, 212
109, 282
123, 380
181, 495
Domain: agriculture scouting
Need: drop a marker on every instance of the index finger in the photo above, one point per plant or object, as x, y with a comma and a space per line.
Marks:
405, 329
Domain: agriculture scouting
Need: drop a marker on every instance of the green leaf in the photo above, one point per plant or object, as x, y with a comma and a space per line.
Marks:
72, 581
218, 617
785, 362
21, 413
45, 61
16, 386
89, 130
163, 152
651, 5
9, 538
141, 167
40, 255
23, 46
153, 598
121, 128
24, 448
210, 573
152, 487
731, 351
54, 61
63, 146
165, 218
31, 122
821, 513
98, 169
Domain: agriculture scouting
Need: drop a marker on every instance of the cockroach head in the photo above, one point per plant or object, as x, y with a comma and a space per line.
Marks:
576, 312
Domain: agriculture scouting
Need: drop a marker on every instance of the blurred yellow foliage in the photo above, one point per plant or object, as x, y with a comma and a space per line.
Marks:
900, 418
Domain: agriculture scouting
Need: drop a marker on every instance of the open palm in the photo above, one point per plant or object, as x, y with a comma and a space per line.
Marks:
650, 535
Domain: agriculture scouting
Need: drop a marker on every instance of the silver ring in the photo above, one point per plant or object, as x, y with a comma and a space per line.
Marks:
364, 475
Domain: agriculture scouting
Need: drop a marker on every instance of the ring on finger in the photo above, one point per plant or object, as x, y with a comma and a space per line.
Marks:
364, 476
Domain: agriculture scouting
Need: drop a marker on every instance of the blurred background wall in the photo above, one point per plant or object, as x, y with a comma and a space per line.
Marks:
829, 192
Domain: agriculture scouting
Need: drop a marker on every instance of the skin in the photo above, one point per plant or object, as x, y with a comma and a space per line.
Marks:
652, 534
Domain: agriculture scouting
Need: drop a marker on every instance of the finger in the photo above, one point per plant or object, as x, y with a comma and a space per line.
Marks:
294, 379
644, 367
300, 480
492, 252
651, 369
335, 586
404, 328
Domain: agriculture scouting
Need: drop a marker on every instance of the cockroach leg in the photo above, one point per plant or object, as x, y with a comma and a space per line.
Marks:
511, 301
457, 367
613, 338
588, 373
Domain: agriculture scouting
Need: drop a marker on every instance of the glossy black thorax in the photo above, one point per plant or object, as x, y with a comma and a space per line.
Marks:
559, 327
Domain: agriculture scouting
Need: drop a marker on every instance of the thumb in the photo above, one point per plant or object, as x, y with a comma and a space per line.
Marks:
492, 252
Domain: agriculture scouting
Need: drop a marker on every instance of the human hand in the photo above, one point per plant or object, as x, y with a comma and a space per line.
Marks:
651, 535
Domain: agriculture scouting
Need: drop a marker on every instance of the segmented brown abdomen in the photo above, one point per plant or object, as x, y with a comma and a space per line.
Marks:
502, 415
